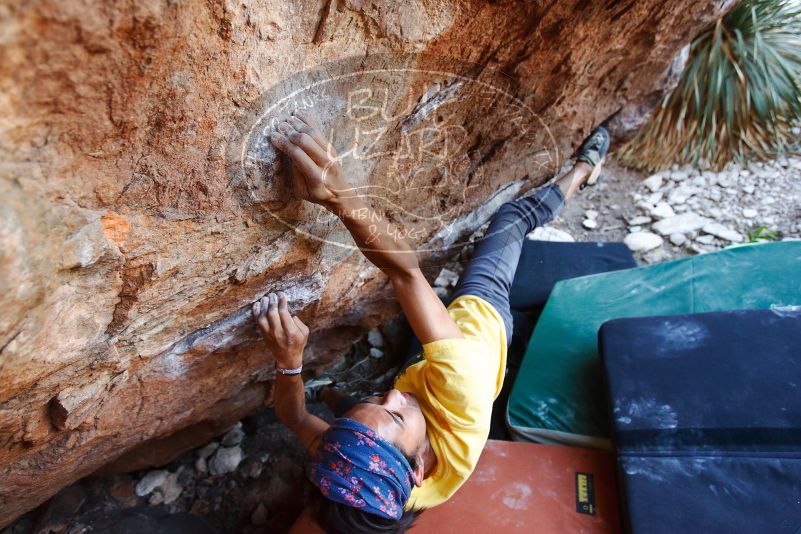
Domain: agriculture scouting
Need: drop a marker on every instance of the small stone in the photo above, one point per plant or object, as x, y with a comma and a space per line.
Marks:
642, 241
441, 292
654, 198
680, 224
548, 233
171, 489
748, 189
679, 176
233, 436
375, 338
633, 229
156, 499
124, 492
589, 224
259, 515
680, 195
376, 353
591, 214
653, 182
252, 468
151, 481
662, 210
706, 239
446, 278
225, 460
201, 466
207, 450
768, 200
718, 230
750, 213
678, 239
639, 220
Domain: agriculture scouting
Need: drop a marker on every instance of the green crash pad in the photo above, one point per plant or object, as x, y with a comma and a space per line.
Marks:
558, 396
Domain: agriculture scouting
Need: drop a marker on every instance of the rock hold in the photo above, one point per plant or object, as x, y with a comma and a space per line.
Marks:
590, 224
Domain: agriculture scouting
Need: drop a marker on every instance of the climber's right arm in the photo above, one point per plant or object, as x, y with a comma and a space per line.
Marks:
318, 178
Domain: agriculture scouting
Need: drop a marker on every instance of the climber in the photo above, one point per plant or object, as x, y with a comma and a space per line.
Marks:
388, 457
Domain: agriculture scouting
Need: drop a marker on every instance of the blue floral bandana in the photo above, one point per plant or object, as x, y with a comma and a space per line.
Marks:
355, 467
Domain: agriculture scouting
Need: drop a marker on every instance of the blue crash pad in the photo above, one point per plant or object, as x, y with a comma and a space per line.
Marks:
706, 411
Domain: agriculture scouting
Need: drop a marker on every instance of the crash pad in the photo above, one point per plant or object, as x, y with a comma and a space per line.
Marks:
558, 395
706, 411
542, 264
525, 488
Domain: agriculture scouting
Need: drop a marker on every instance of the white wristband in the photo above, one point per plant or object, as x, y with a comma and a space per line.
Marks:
290, 372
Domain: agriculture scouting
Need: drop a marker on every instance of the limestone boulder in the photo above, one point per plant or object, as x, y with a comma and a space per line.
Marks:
142, 209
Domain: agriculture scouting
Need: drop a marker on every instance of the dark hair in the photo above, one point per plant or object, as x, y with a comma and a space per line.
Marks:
337, 518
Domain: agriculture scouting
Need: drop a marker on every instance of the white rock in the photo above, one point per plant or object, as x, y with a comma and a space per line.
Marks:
679, 176
718, 230
653, 182
706, 239
151, 481
642, 241
748, 189
234, 436
548, 233
446, 278
653, 198
207, 450
225, 460
639, 220
442, 292
768, 200
375, 338
680, 195
591, 214
589, 224
680, 224
376, 353
171, 489
201, 466
750, 213
635, 229
678, 239
662, 210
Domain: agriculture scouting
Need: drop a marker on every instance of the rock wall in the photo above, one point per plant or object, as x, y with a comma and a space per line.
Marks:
135, 229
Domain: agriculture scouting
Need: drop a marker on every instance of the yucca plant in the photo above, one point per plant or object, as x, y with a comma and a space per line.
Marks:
739, 96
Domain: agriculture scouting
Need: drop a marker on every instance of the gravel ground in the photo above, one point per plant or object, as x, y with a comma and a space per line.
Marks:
251, 479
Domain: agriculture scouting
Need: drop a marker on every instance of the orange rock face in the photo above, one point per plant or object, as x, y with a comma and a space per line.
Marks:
142, 210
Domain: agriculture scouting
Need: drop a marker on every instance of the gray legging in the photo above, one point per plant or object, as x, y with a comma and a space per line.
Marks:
491, 271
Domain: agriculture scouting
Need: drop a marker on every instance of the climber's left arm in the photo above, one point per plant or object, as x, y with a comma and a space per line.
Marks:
286, 336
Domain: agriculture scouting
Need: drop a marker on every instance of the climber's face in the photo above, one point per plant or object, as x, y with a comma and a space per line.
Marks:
396, 417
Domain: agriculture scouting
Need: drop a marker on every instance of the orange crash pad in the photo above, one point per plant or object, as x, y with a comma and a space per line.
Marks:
528, 488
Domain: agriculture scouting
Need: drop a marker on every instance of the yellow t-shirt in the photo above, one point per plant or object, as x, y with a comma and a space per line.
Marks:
456, 383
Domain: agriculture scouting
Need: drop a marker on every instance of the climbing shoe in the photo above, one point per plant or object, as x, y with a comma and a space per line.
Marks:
593, 151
